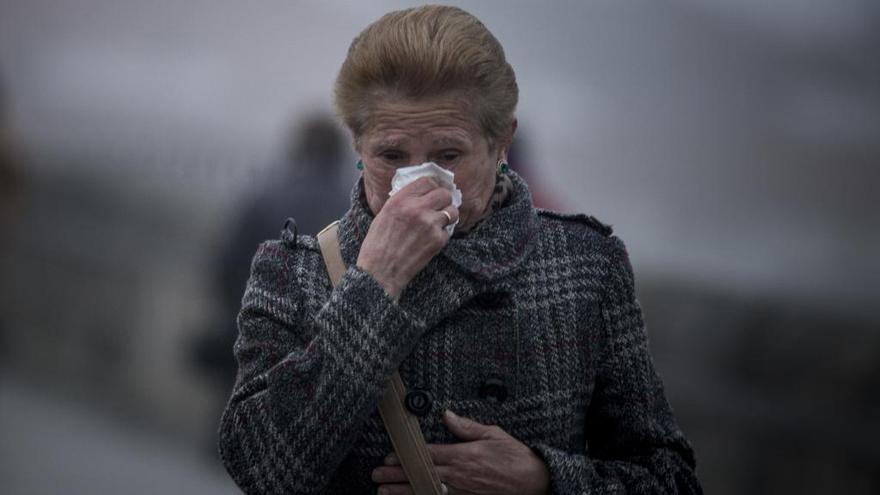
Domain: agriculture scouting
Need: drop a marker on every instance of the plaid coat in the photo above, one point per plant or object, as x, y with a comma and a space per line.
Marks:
529, 322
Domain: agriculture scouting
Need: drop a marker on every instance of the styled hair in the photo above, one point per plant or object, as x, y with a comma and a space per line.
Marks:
423, 52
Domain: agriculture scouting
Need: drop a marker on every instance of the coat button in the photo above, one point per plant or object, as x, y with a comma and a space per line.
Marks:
418, 401
493, 389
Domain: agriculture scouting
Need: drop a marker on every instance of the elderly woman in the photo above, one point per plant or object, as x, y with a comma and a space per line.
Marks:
522, 326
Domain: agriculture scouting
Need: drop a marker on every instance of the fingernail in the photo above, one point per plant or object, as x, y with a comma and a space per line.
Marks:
451, 415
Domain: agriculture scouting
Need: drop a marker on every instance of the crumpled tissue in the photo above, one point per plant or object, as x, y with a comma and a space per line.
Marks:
406, 175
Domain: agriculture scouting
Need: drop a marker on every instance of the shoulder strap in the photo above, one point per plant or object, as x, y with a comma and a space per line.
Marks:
328, 239
403, 427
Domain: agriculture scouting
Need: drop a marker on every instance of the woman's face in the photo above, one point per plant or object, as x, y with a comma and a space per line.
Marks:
403, 132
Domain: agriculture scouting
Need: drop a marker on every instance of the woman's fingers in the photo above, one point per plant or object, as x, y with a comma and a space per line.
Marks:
396, 489
426, 193
389, 474
448, 216
437, 208
436, 198
443, 454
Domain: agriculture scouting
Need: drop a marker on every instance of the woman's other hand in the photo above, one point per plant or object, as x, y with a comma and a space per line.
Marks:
407, 232
489, 461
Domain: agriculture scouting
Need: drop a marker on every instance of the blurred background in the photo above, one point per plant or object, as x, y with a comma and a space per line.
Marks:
147, 147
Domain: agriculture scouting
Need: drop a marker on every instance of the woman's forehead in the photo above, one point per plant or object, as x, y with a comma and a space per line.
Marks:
396, 120
434, 137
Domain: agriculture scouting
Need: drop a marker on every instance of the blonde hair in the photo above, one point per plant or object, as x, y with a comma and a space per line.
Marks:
428, 51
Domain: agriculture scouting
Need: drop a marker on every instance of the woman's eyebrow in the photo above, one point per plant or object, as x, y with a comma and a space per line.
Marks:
390, 143
447, 140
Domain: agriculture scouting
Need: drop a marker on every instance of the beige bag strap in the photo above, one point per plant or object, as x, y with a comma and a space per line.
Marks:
403, 426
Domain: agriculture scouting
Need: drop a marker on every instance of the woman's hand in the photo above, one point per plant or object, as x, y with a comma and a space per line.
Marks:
407, 232
490, 461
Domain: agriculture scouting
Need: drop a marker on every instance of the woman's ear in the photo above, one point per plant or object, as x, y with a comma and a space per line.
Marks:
505, 145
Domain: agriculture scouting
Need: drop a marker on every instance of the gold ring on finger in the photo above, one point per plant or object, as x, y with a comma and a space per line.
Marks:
448, 216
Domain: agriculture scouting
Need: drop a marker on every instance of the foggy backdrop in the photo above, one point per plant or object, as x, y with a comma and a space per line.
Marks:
734, 147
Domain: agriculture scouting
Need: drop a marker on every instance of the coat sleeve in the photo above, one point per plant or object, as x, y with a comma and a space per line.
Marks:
634, 443
306, 382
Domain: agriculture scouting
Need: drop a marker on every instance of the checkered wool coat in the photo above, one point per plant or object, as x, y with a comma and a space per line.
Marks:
528, 322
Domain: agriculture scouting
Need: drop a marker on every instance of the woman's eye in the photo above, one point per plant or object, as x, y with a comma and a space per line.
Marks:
449, 156
392, 156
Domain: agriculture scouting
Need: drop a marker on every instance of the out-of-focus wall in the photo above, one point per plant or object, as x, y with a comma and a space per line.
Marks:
733, 146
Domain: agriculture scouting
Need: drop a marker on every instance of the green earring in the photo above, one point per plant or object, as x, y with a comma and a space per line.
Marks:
359, 165
503, 167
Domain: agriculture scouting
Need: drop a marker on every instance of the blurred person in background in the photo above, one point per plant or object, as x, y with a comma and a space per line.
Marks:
10, 180
522, 322
10, 191
309, 184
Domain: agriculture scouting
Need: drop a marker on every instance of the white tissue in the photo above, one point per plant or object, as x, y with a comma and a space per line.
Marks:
407, 175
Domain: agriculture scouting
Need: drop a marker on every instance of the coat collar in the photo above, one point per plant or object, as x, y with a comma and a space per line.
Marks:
495, 247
